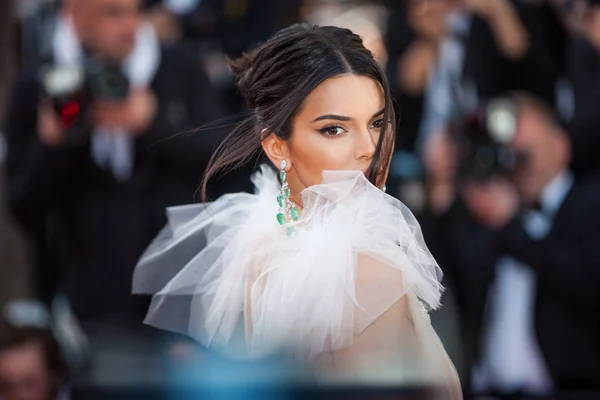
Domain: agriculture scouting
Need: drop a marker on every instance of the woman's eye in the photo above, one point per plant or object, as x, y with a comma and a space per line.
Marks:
377, 124
332, 130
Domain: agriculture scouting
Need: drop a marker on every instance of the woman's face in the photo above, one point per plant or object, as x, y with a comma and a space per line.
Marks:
337, 129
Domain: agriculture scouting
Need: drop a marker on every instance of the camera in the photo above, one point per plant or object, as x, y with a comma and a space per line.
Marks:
483, 138
72, 89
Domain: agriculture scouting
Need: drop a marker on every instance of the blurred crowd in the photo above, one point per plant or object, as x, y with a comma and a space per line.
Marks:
112, 109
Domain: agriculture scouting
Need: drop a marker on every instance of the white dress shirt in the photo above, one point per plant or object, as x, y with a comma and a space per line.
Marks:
511, 359
180, 7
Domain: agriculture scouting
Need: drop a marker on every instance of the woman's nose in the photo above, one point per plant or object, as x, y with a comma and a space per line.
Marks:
365, 145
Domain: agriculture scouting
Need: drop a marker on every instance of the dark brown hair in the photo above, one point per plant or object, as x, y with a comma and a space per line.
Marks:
16, 336
275, 80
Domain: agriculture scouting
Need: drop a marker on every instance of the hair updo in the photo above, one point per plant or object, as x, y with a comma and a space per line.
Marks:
275, 80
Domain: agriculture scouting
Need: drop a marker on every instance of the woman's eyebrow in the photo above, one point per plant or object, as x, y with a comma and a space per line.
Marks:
377, 114
334, 117
337, 117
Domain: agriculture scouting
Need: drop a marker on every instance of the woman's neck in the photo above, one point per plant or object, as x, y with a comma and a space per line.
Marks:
297, 200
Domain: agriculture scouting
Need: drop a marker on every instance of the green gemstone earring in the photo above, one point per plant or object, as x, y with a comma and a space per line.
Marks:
286, 206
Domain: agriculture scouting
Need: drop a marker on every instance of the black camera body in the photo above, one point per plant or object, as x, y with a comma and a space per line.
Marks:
483, 140
72, 89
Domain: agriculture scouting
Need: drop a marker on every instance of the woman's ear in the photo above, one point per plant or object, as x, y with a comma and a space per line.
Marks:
276, 149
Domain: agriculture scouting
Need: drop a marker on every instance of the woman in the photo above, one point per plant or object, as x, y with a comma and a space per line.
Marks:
320, 262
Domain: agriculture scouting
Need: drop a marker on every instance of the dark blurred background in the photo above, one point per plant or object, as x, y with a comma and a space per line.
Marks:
111, 109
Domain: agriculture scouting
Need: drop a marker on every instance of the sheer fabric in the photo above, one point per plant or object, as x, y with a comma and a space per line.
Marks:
348, 292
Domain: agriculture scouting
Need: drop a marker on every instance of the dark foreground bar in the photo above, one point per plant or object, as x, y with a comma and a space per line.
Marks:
250, 393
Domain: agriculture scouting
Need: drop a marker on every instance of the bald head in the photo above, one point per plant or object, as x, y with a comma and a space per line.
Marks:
106, 27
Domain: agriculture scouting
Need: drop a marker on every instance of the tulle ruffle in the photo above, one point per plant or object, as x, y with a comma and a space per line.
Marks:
229, 276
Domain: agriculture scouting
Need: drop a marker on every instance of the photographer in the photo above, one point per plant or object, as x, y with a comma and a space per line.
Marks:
521, 246
89, 176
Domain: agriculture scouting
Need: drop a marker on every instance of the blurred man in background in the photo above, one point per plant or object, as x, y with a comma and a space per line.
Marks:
91, 171
31, 363
523, 253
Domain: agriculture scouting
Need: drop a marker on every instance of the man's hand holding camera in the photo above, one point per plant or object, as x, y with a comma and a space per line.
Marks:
134, 115
50, 129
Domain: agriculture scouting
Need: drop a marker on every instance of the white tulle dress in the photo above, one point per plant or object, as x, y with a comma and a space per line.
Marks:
347, 293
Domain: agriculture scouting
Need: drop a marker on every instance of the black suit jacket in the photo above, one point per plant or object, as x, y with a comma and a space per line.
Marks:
567, 266
93, 226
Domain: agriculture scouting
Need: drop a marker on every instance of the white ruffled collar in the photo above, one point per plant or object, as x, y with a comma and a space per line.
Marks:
231, 257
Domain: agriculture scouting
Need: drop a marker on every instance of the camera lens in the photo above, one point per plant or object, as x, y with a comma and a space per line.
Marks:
483, 162
107, 81
111, 82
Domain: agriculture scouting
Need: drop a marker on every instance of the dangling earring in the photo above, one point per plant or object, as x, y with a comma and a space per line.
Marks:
286, 206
